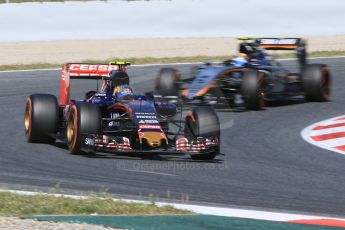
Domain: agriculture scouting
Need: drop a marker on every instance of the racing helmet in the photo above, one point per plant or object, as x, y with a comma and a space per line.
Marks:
122, 90
241, 60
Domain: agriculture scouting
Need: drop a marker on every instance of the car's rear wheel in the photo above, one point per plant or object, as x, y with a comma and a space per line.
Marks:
41, 118
203, 122
84, 118
253, 89
316, 79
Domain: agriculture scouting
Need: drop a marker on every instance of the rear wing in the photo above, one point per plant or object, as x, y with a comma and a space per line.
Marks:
85, 71
280, 43
296, 44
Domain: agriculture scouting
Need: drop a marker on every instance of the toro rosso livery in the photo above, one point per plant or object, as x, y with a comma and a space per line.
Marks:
114, 119
251, 78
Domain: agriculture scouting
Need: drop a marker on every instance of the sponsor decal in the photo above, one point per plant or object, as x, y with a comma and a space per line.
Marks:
113, 123
144, 113
63, 76
286, 41
100, 94
148, 122
149, 127
114, 115
147, 117
151, 122
92, 68
89, 141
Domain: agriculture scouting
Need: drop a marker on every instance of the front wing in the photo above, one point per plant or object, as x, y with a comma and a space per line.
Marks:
121, 145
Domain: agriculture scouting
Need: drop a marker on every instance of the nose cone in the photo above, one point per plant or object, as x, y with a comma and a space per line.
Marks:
154, 139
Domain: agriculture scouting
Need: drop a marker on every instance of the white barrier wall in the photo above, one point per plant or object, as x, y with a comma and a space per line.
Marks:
175, 18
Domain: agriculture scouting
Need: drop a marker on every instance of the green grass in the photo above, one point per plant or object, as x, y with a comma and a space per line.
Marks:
12, 204
151, 60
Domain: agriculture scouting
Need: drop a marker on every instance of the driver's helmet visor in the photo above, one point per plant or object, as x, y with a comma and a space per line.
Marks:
122, 90
239, 61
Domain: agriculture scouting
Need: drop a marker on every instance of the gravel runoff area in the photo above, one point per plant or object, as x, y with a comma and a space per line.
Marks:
14, 223
76, 51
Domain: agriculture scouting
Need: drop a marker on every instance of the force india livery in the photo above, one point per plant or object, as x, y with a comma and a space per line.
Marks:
114, 119
250, 79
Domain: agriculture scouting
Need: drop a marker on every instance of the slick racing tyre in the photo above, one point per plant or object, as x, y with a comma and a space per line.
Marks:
203, 122
167, 82
41, 118
253, 89
316, 80
84, 118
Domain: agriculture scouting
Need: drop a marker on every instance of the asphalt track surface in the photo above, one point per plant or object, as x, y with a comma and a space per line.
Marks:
266, 163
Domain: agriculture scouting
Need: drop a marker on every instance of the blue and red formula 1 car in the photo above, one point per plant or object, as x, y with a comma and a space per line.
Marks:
250, 79
114, 119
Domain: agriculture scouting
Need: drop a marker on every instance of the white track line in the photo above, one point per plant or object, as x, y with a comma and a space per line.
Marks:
167, 64
246, 213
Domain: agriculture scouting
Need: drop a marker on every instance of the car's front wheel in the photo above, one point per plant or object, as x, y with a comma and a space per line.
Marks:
203, 122
84, 118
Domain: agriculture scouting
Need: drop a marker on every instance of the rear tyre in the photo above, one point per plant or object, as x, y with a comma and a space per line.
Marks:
316, 79
203, 122
84, 118
167, 82
253, 89
41, 118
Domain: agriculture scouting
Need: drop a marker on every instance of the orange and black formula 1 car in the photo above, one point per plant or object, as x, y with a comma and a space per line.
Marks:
250, 79
113, 119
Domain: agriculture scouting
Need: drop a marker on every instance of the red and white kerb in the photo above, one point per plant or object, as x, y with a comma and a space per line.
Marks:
328, 134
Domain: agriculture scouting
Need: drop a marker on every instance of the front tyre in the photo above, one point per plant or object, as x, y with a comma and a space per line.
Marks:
41, 118
84, 118
203, 122
316, 79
